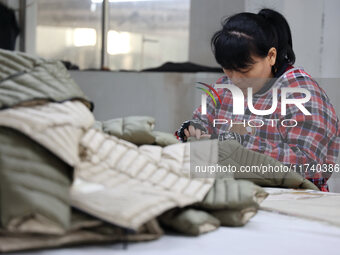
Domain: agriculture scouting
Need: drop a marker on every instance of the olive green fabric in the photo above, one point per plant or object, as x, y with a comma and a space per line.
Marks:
137, 130
34, 186
189, 221
235, 218
35, 209
233, 194
233, 202
228, 203
84, 229
28, 80
233, 153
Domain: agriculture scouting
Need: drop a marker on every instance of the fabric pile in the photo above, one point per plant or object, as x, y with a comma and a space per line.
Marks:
68, 179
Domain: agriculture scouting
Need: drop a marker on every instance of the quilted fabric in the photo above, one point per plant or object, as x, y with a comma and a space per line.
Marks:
34, 186
84, 229
231, 152
58, 127
143, 181
137, 130
28, 80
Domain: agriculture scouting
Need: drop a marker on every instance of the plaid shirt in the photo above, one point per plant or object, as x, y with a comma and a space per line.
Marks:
314, 140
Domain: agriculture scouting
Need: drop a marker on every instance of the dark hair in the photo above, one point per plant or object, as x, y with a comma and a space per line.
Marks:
246, 34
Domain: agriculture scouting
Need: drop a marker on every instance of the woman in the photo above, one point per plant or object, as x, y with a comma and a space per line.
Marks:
256, 51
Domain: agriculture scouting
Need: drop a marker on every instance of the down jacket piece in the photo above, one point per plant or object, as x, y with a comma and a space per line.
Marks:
189, 221
83, 229
232, 153
34, 186
144, 181
228, 203
237, 155
233, 202
137, 130
58, 127
27, 80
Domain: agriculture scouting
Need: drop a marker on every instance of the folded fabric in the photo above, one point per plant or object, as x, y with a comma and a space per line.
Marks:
84, 229
56, 126
164, 139
233, 202
233, 194
137, 130
306, 204
234, 154
34, 186
228, 203
115, 180
143, 181
28, 80
189, 221
120, 175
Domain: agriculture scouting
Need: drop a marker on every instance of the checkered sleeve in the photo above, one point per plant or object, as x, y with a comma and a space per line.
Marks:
311, 144
208, 119
203, 122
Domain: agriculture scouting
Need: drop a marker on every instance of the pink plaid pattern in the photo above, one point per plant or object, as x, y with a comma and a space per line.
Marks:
315, 139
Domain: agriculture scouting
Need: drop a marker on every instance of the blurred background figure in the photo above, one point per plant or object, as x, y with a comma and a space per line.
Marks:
9, 29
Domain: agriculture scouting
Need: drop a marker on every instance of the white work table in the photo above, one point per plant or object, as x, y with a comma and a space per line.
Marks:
266, 233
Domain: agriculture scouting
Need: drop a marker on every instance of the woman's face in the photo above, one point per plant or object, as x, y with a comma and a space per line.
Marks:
256, 75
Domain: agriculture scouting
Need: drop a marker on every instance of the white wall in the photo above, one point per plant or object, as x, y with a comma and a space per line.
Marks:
205, 20
315, 32
168, 97
306, 27
31, 24
330, 51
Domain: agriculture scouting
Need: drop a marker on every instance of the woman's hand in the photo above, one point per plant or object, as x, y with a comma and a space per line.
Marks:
192, 128
191, 131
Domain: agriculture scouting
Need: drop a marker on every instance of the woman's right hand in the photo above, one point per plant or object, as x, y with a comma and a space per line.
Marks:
192, 128
191, 131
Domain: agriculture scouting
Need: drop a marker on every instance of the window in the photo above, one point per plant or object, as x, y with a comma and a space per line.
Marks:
69, 30
145, 34
140, 33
